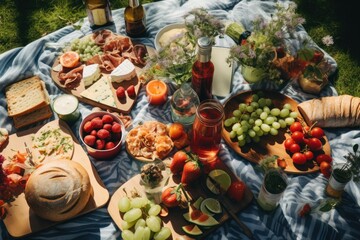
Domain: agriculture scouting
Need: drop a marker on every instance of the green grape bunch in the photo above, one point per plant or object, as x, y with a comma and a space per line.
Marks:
251, 121
86, 48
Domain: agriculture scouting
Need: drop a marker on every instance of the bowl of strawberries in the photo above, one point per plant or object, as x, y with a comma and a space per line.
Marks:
102, 133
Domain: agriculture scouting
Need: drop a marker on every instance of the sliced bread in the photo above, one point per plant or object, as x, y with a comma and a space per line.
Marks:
32, 117
26, 96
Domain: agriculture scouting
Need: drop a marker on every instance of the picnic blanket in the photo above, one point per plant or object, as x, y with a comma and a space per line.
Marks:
343, 222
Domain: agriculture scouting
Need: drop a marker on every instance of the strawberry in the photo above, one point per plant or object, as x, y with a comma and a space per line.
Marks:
131, 91
305, 210
191, 172
178, 162
120, 92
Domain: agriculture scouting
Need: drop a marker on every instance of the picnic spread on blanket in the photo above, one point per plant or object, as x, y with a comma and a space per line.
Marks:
178, 120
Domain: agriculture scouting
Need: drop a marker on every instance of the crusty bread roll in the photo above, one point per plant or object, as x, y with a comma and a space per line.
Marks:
334, 111
58, 190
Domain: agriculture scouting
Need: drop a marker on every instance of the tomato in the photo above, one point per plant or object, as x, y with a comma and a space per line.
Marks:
317, 132
296, 126
323, 158
314, 144
294, 148
178, 162
176, 130
325, 168
309, 155
236, 190
299, 158
70, 59
288, 142
171, 197
298, 136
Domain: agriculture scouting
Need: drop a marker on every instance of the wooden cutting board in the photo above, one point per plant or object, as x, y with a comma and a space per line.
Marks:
175, 219
20, 220
122, 105
269, 145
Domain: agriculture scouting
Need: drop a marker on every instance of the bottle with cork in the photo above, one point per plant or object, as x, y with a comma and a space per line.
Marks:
203, 70
99, 13
135, 19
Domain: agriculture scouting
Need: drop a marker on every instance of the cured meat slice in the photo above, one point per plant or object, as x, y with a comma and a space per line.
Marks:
107, 62
71, 78
100, 37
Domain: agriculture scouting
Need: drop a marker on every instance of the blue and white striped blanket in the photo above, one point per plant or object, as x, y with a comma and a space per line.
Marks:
342, 223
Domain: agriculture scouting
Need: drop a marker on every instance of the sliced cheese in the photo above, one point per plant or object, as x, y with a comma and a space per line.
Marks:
100, 92
124, 72
91, 73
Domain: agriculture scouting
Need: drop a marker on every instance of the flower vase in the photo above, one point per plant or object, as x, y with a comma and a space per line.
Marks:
252, 74
337, 181
313, 86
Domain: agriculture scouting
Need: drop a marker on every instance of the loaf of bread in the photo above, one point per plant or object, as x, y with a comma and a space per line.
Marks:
334, 111
32, 117
26, 96
58, 190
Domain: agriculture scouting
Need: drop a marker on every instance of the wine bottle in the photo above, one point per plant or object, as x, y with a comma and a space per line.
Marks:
99, 13
135, 19
203, 70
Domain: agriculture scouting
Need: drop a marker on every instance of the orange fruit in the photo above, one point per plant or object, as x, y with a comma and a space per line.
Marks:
69, 59
176, 130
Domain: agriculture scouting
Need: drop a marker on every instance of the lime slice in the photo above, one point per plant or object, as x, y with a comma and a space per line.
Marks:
198, 202
205, 210
211, 204
222, 179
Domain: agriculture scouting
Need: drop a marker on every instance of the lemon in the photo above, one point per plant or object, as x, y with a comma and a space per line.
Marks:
222, 179
212, 205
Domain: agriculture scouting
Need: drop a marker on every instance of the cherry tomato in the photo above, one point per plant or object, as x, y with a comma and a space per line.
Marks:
317, 132
298, 136
299, 158
170, 197
236, 190
294, 148
309, 155
323, 158
314, 144
325, 168
288, 142
296, 126
69, 59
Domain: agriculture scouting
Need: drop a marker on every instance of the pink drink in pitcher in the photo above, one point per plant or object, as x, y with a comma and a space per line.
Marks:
206, 131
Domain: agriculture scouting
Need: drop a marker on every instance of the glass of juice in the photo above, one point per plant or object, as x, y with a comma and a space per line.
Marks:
206, 131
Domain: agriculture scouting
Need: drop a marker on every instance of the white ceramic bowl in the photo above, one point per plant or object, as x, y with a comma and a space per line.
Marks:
170, 31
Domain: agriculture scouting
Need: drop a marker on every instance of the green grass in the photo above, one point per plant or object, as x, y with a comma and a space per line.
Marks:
23, 21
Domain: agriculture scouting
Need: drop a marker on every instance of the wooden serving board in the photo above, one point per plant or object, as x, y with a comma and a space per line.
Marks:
269, 145
122, 105
175, 219
20, 220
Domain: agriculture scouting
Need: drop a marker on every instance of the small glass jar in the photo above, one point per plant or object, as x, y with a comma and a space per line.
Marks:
66, 107
206, 131
340, 176
272, 189
183, 103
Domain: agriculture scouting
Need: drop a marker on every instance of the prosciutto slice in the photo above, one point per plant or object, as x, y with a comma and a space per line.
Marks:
100, 37
71, 78
107, 62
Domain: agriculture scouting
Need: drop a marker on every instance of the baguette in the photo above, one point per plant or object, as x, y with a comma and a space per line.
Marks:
32, 117
26, 96
58, 190
332, 112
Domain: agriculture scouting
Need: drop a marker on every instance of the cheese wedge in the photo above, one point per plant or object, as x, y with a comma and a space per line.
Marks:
91, 73
100, 92
124, 72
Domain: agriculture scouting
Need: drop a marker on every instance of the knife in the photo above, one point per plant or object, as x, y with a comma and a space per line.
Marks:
224, 202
